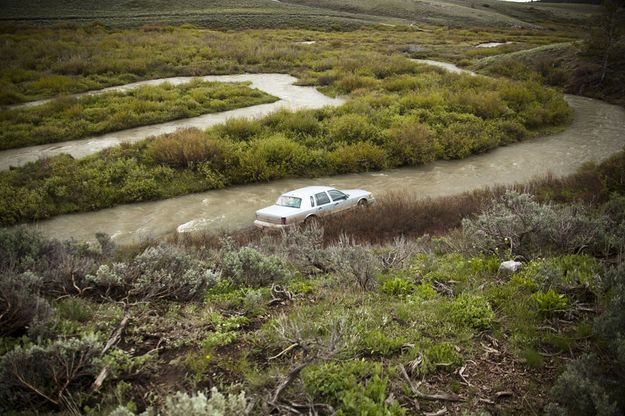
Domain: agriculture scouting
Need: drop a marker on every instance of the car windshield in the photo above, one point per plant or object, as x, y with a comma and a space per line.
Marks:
289, 201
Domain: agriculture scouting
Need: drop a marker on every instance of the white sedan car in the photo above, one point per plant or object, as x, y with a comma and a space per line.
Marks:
309, 203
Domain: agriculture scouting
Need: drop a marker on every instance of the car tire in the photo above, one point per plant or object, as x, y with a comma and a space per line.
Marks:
363, 203
311, 220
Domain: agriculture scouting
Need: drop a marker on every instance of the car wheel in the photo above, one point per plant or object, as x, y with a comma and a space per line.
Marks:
311, 220
363, 203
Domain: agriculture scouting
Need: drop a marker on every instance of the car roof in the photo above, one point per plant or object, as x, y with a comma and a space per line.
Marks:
308, 190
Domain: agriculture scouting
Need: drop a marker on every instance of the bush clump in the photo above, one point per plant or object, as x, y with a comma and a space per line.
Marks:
21, 302
352, 387
249, 267
517, 224
195, 404
472, 311
48, 374
160, 272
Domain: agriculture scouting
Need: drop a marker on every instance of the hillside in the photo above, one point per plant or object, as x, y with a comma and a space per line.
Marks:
313, 14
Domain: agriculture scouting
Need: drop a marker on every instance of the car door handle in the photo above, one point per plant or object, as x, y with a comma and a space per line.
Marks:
319, 209
336, 203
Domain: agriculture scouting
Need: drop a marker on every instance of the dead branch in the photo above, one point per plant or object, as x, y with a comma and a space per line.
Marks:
117, 334
461, 374
440, 396
286, 350
504, 393
437, 413
293, 373
114, 339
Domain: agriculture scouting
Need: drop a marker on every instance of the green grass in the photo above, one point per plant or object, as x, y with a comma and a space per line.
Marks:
45, 62
75, 118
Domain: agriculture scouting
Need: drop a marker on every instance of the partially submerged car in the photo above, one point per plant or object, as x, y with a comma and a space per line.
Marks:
308, 204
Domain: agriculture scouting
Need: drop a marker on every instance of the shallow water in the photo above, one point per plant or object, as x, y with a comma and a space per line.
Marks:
445, 65
597, 132
279, 85
491, 44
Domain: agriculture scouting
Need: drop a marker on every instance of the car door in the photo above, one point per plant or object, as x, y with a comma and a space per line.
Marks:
339, 200
323, 204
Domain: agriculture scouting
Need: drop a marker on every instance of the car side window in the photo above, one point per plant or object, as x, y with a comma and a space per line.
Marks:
337, 195
322, 198
312, 201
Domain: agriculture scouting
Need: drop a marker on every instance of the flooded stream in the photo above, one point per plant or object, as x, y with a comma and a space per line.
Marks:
597, 132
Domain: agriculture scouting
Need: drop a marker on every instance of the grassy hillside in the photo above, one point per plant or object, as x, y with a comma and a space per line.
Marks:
462, 13
312, 14
215, 14
332, 324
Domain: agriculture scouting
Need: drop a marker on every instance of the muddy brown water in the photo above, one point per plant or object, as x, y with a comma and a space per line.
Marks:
597, 132
290, 96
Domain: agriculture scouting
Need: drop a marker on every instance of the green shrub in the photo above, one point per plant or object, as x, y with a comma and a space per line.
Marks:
472, 311
21, 302
249, 267
49, 373
410, 142
74, 309
379, 342
184, 148
352, 387
351, 128
272, 158
441, 356
239, 128
398, 287
550, 301
358, 157
161, 272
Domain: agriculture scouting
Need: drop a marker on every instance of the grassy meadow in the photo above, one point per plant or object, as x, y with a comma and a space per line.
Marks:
45, 62
70, 118
333, 324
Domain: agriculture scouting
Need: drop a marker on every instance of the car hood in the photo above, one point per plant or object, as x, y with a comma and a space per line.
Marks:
278, 211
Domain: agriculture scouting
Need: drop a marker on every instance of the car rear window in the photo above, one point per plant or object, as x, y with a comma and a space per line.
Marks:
322, 198
337, 195
289, 201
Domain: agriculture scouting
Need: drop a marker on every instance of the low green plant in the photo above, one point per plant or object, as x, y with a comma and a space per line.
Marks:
440, 357
550, 302
472, 311
398, 287
352, 387
381, 342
